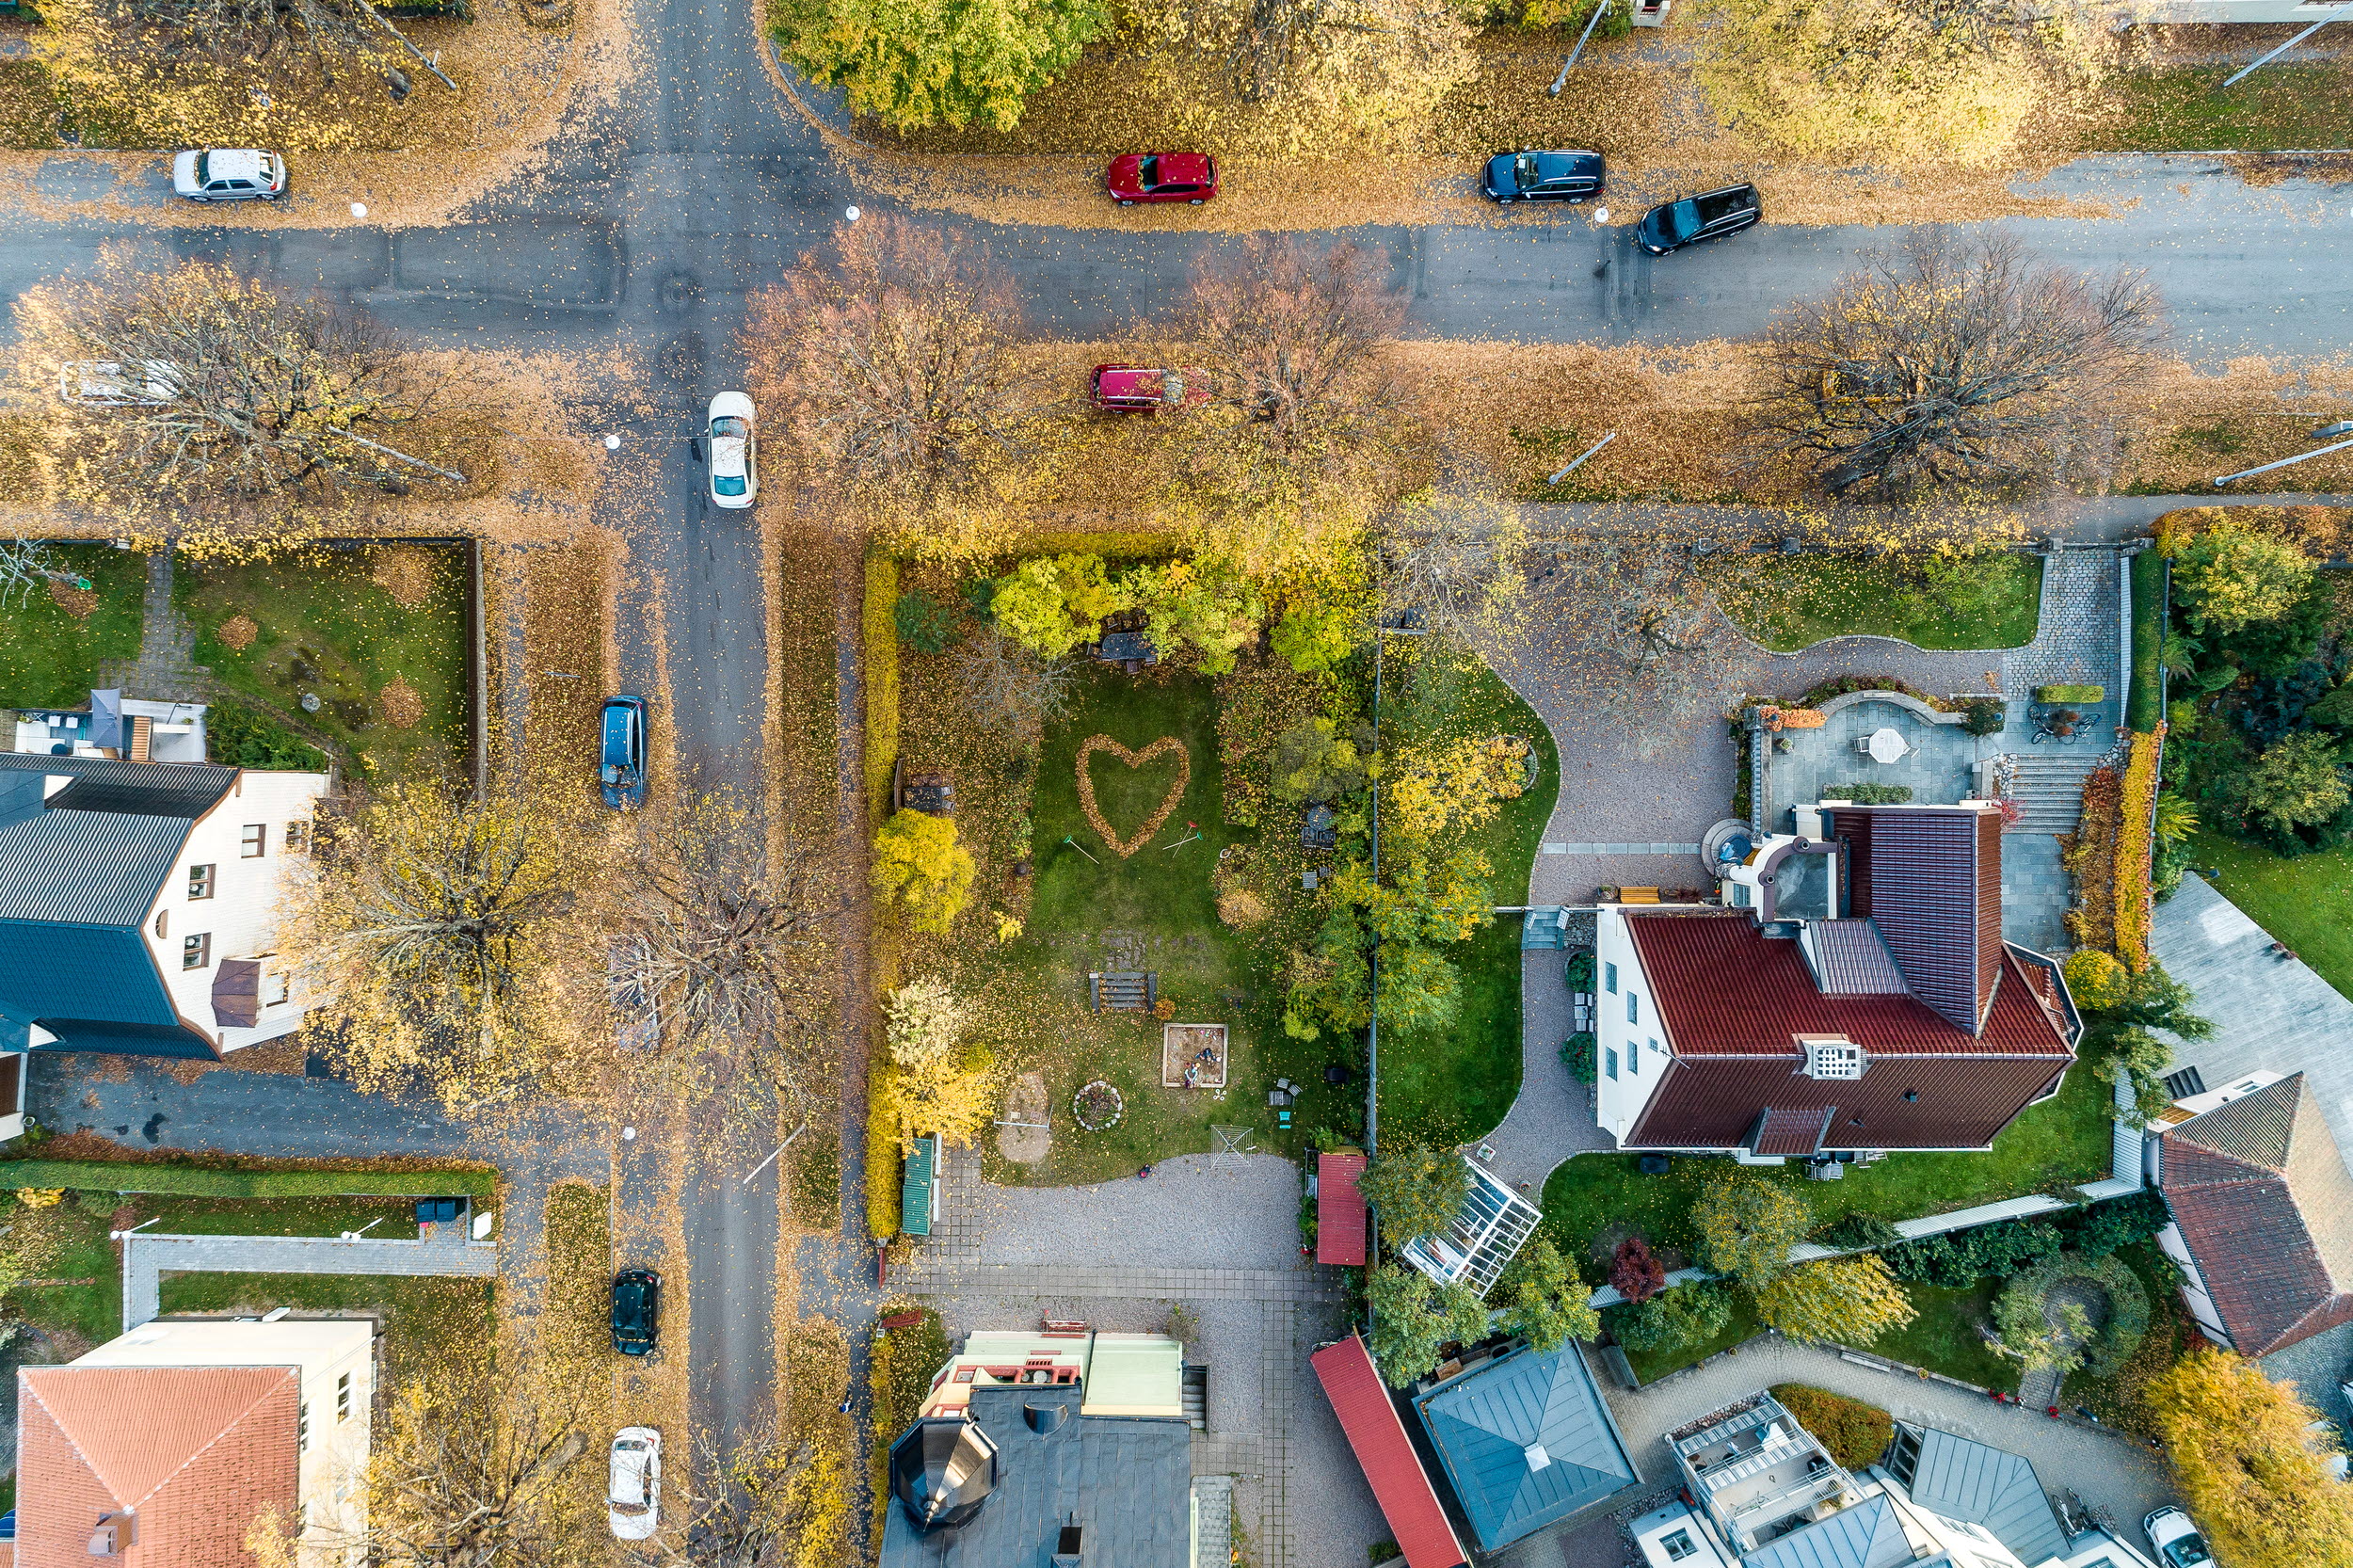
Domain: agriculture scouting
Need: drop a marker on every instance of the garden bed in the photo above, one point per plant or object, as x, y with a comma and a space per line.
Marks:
1789, 603
1193, 1056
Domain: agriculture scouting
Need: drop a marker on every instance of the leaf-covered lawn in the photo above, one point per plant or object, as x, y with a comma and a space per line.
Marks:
49, 656
2182, 109
1793, 602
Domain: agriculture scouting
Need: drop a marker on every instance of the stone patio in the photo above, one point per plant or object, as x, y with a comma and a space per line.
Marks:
1936, 770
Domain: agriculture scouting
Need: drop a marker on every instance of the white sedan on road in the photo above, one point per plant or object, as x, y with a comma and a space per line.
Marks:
734, 452
222, 175
633, 1491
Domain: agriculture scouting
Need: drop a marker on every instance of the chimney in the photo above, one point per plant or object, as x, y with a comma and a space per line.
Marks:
1066, 1546
114, 1532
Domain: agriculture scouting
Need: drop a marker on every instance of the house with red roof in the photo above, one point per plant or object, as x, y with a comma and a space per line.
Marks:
1851, 994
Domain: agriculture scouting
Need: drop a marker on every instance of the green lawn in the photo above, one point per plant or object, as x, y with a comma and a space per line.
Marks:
49, 657
327, 626
2306, 903
1596, 1199
425, 1319
1943, 1338
77, 1249
2182, 111
1650, 1365
1792, 603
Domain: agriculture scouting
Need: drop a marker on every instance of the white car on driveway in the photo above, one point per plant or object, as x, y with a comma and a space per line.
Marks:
632, 1488
734, 452
226, 175
110, 384
2175, 1540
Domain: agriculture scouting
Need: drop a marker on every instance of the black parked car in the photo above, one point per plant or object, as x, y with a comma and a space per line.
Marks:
1710, 216
1542, 176
636, 1311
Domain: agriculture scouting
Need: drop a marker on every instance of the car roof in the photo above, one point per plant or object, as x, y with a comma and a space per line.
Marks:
233, 164
1183, 169
731, 402
1565, 160
726, 455
1119, 378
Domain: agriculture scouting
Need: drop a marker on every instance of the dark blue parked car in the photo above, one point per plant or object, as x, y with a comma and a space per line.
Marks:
1709, 216
636, 1311
1532, 176
621, 756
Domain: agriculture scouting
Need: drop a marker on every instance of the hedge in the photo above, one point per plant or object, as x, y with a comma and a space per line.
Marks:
136, 1176
882, 1154
1855, 1434
2070, 694
879, 625
1867, 795
2144, 705
2136, 906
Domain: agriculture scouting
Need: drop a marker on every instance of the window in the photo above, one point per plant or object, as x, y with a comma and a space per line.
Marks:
276, 986
302, 1429
1633, 1056
1633, 1008
199, 882
297, 837
196, 950
1832, 1057
163, 925
255, 841
1654, 1048
1612, 1054
1609, 978
1678, 1544
342, 1398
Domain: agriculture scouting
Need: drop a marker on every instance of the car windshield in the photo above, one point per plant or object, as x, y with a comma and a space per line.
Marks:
203, 168
2187, 1551
629, 1511
1682, 220
728, 425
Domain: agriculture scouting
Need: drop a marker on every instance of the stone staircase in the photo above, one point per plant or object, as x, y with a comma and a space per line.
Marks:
1196, 1397
2049, 789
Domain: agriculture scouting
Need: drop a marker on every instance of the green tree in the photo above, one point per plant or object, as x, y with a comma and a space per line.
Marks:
2038, 1336
2233, 576
2298, 782
1413, 1316
1432, 900
1543, 1301
1747, 1227
1850, 1298
2251, 1466
1315, 636
2137, 1059
917, 63
1415, 1190
1049, 605
924, 624
918, 863
1681, 1315
1320, 761
2095, 979
1193, 604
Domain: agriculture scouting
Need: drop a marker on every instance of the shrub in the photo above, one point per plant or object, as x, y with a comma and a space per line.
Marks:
1635, 1272
243, 737
918, 863
1542, 1301
2021, 1314
1579, 973
2098, 1229
2079, 696
1854, 1297
1577, 1053
1680, 1316
1747, 1227
923, 623
1315, 637
1051, 604
2298, 783
1862, 1232
2231, 576
2133, 895
882, 1152
1961, 1258
1983, 718
1868, 794
1855, 1434
2095, 979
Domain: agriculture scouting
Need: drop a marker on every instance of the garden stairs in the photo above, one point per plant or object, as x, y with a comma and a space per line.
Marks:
1123, 990
2049, 790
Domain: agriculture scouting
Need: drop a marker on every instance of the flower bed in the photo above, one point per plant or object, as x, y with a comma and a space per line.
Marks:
2089, 855
1098, 1106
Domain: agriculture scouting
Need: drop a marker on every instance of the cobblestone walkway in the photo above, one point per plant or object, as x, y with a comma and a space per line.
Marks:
148, 1256
165, 669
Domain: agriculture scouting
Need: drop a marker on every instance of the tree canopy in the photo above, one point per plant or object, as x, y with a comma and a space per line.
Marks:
1853, 1300
1416, 1191
1747, 1227
1543, 1300
1413, 1318
2231, 576
2255, 1476
919, 865
913, 64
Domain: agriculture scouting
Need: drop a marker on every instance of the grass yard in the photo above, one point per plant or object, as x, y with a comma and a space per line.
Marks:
379, 634
1594, 1200
423, 1318
1943, 1338
2306, 903
1650, 1365
1792, 603
49, 654
2282, 105
68, 1243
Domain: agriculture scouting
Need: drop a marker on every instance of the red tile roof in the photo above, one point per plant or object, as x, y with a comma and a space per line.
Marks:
1796, 1129
197, 1452
1339, 1209
1392, 1468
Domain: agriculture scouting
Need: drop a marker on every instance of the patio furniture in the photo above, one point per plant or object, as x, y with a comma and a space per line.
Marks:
1883, 745
1637, 895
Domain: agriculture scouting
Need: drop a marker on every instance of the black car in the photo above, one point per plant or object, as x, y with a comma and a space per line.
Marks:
636, 1311
1709, 216
1542, 176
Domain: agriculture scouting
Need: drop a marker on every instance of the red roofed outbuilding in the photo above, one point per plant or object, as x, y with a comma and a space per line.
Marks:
1339, 1209
1392, 1468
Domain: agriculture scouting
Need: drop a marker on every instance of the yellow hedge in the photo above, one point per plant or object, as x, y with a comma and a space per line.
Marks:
882, 1152
2134, 902
881, 633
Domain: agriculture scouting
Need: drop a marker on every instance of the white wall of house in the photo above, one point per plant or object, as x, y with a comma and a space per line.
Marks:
2194, 1292
237, 916
338, 1365
1629, 1055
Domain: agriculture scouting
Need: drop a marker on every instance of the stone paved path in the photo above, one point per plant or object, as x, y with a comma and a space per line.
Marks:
165, 669
1222, 1237
149, 1254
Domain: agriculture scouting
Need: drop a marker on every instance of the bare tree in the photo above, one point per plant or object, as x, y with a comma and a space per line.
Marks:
718, 935
232, 393
1950, 360
1457, 561
894, 367
742, 1509
24, 563
1294, 343
1636, 629
1009, 688
330, 35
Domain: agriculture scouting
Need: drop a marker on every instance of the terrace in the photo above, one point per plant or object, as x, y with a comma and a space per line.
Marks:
1759, 1474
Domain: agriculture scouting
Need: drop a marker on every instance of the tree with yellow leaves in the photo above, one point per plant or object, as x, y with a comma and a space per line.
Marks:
1853, 1300
919, 865
1746, 1226
938, 1082
2252, 1471
1453, 786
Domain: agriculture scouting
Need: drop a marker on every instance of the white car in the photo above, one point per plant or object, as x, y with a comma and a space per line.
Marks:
2175, 1540
226, 175
108, 384
735, 454
632, 1488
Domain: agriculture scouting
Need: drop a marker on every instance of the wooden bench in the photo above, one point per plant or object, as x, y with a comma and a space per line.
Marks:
1637, 895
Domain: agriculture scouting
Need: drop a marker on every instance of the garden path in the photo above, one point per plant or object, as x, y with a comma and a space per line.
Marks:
1219, 1234
165, 669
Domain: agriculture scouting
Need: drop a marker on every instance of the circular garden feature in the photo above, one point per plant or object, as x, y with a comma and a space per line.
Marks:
1097, 1105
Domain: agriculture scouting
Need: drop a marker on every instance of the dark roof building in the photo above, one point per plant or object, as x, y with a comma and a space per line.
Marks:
2263, 1208
1857, 995
1526, 1440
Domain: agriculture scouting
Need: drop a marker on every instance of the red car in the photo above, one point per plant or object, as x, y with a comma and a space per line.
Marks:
1162, 177
1141, 389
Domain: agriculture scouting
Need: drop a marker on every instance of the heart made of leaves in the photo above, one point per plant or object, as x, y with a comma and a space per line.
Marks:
1092, 744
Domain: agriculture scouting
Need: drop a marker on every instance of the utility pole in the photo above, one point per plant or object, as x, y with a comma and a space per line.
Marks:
1562, 80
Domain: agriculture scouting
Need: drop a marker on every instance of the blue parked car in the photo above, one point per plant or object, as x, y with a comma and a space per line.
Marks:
622, 759
636, 1311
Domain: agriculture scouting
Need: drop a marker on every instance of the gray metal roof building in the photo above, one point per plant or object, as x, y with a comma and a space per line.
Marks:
1868, 1535
1526, 1440
1974, 1485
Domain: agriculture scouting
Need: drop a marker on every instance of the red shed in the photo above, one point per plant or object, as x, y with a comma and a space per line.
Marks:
1394, 1471
1339, 1209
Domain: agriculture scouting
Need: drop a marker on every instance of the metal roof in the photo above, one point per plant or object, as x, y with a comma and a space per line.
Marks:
86, 868
1868, 1535
182, 783
1850, 960
1392, 1469
1975, 1485
915, 1193
1339, 1209
1526, 1441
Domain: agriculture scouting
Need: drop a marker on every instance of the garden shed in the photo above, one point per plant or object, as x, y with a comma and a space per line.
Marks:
1339, 1208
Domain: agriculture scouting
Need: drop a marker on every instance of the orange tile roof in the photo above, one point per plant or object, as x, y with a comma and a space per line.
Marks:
196, 1451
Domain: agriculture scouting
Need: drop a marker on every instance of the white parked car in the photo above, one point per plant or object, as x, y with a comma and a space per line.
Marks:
2175, 1540
734, 452
107, 384
223, 175
633, 1489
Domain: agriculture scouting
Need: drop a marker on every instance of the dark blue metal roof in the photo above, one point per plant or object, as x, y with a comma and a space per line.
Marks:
1526, 1440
